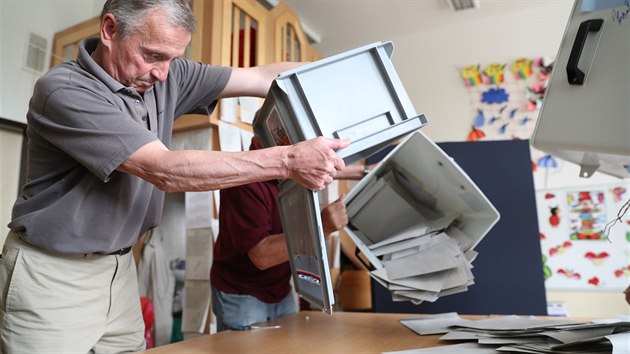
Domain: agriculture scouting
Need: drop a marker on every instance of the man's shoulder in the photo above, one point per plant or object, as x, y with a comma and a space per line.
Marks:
68, 77
68, 74
58, 75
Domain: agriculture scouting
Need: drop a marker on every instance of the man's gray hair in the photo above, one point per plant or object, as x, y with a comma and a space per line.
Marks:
129, 14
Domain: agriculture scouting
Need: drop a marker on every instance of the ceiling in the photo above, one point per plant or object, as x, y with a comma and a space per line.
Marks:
343, 24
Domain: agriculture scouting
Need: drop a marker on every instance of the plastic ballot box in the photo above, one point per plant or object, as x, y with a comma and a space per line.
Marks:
416, 218
585, 117
356, 94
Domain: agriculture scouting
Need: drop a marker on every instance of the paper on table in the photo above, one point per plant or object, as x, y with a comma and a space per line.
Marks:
509, 340
464, 348
620, 343
461, 335
513, 323
432, 324
578, 334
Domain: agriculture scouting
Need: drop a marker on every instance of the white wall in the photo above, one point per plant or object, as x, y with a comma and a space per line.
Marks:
17, 20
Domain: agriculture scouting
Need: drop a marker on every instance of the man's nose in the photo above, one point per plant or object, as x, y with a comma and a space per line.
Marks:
160, 71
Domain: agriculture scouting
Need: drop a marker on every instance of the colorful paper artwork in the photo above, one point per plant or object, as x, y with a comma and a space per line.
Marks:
495, 74
505, 100
522, 68
505, 104
472, 75
475, 134
587, 215
494, 96
579, 251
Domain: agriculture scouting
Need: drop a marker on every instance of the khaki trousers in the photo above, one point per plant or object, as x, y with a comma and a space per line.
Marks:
57, 303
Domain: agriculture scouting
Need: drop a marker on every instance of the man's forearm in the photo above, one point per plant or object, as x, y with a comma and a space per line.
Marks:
269, 252
312, 164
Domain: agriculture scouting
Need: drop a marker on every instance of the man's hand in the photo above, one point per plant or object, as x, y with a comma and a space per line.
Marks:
314, 163
334, 216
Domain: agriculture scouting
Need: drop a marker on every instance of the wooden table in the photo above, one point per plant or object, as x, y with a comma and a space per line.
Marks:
313, 332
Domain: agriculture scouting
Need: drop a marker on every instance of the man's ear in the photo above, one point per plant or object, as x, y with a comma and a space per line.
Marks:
108, 29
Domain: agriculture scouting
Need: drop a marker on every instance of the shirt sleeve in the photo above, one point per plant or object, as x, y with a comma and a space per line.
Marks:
246, 213
199, 85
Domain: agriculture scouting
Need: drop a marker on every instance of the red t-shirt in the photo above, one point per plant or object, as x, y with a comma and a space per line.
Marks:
248, 214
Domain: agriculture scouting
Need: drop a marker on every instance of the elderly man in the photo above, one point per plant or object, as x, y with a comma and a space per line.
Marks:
98, 166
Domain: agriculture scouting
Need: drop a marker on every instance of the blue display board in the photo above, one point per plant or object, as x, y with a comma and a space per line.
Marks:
508, 270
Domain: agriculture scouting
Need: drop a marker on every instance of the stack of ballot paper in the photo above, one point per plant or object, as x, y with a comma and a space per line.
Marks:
417, 218
424, 266
516, 334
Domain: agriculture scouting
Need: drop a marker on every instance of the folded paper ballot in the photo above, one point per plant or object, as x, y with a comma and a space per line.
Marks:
417, 218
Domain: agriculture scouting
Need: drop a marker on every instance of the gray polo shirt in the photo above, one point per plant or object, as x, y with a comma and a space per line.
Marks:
82, 124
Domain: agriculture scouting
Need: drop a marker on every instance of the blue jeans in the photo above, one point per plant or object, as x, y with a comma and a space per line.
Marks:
238, 311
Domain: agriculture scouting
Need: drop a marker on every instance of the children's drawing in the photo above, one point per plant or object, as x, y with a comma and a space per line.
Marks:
578, 252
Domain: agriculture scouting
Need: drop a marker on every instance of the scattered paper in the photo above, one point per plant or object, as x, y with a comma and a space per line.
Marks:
523, 334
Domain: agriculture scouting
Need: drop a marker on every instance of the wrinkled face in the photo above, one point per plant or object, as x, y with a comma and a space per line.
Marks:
143, 57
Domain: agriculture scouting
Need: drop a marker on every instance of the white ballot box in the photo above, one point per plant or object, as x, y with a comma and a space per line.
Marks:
585, 117
356, 94
417, 218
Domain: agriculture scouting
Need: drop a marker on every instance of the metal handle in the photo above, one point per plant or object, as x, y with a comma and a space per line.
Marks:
574, 74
